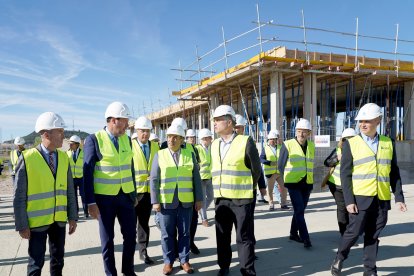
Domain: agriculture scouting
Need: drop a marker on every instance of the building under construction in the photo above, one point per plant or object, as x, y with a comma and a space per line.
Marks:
276, 87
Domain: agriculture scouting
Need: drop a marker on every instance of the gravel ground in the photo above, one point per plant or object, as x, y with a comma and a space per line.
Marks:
6, 184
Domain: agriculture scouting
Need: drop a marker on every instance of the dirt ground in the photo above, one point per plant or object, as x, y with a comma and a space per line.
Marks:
6, 184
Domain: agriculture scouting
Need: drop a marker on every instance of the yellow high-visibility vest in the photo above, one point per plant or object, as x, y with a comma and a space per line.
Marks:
46, 195
231, 178
272, 157
176, 177
335, 177
298, 165
13, 159
76, 168
141, 166
371, 172
205, 162
113, 172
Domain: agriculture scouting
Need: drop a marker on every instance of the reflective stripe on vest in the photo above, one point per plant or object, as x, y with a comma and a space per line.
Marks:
142, 167
205, 162
113, 171
231, 177
46, 195
76, 168
371, 172
335, 177
174, 177
272, 157
298, 165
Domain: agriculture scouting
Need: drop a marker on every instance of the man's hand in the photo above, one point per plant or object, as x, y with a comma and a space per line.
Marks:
25, 234
352, 208
273, 164
156, 207
94, 211
263, 191
198, 205
72, 226
401, 206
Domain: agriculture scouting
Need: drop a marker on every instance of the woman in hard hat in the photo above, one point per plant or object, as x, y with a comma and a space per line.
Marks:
334, 181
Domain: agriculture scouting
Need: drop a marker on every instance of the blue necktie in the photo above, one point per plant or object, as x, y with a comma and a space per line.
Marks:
144, 150
74, 156
115, 139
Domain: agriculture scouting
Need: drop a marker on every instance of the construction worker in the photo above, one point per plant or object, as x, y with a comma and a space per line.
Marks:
144, 152
204, 150
75, 154
44, 198
194, 220
296, 165
15, 154
241, 123
368, 172
191, 137
235, 171
334, 181
110, 186
175, 190
154, 138
269, 157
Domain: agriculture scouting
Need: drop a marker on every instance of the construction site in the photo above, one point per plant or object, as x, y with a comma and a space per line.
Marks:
325, 82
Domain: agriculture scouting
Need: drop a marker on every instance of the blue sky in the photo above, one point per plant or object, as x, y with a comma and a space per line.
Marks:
75, 57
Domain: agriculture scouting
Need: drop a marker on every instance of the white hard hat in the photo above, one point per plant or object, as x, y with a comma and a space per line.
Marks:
176, 130
117, 110
134, 135
75, 139
153, 136
19, 141
303, 124
48, 121
205, 132
143, 123
273, 134
180, 121
368, 112
348, 132
223, 110
240, 120
190, 133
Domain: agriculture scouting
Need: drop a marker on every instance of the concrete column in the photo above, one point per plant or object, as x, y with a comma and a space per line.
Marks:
276, 100
200, 117
409, 120
309, 101
214, 102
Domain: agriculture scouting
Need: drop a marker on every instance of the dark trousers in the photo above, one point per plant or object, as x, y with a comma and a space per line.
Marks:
143, 212
227, 214
78, 184
341, 212
173, 222
370, 222
121, 207
299, 199
37, 249
193, 226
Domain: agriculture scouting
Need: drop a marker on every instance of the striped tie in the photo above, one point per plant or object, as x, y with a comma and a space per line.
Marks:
51, 162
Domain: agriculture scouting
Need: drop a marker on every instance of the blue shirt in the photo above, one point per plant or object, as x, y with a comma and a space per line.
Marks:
372, 143
147, 149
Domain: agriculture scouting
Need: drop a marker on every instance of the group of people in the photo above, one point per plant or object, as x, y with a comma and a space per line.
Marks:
126, 179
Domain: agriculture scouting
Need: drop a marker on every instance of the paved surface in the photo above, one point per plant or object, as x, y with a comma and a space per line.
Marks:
277, 255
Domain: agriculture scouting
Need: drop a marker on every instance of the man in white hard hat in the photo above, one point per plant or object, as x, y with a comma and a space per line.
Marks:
333, 161
204, 150
194, 220
44, 198
110, 186
144, 152
268, 157
368, 173
241, 123
75, 154
296, 165
191, 137
15, 154
235, 172
154, 138
175, 190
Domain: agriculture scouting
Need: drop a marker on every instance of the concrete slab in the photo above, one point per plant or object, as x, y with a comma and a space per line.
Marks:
277, 255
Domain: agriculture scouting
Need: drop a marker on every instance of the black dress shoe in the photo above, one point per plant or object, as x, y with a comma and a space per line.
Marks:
336, 267
295, 238
370, 273
263, 201
223, 272
307, 244
147, 260
194, 249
